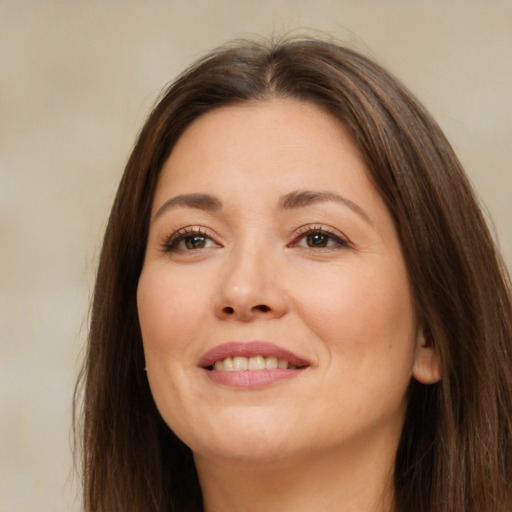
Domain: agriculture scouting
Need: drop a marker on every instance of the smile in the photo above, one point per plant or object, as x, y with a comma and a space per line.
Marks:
251, 355
252, 364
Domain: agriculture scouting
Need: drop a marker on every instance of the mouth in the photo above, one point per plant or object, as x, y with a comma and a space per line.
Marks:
251, 357
253, 363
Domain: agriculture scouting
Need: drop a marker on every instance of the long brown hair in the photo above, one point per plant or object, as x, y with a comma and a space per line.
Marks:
455, 454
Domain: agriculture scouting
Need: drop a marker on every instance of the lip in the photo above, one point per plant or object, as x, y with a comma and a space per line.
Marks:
249, 349
246, 379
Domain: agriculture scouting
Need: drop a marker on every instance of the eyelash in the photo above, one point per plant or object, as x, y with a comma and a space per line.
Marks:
303, 232
172, 242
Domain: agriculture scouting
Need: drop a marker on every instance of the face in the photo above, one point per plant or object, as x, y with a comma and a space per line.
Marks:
276, 311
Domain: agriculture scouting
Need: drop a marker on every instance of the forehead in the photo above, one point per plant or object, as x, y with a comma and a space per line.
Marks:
282, 143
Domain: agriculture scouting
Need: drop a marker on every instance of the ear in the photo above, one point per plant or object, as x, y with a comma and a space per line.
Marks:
427, 364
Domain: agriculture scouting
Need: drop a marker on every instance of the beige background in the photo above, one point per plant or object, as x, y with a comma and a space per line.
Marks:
77, 80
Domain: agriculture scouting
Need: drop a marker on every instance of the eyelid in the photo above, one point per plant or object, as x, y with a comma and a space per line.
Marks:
169, 243
336, 235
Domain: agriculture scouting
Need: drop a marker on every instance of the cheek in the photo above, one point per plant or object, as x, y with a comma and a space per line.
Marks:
363, 316
367, 325
170, 308
169, 323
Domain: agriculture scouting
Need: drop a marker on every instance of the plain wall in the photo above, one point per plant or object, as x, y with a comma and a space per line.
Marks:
78, 78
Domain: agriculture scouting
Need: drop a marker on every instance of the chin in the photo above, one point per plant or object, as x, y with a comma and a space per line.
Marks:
246, 451
243, 440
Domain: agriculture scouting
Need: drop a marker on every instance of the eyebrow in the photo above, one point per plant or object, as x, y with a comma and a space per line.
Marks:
200, 201
302, 198
293, 200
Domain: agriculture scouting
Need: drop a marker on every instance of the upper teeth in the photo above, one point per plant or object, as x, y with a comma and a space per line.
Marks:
238, 363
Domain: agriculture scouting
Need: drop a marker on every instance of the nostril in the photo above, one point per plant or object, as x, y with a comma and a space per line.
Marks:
228, 310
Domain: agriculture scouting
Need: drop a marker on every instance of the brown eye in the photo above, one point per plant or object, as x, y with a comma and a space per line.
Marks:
189, 240
320, 239
195, 242
317, 240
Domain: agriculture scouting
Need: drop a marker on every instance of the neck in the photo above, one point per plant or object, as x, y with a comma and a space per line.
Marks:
337, 481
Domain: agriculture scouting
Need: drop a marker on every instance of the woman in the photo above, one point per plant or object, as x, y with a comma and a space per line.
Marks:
297, 260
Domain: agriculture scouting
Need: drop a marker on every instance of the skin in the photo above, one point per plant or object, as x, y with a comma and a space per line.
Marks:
325, 439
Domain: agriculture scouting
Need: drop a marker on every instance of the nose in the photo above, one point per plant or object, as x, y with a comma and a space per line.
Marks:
250, 288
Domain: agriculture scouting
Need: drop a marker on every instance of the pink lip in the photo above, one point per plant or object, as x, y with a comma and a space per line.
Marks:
248, 349
250, 379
